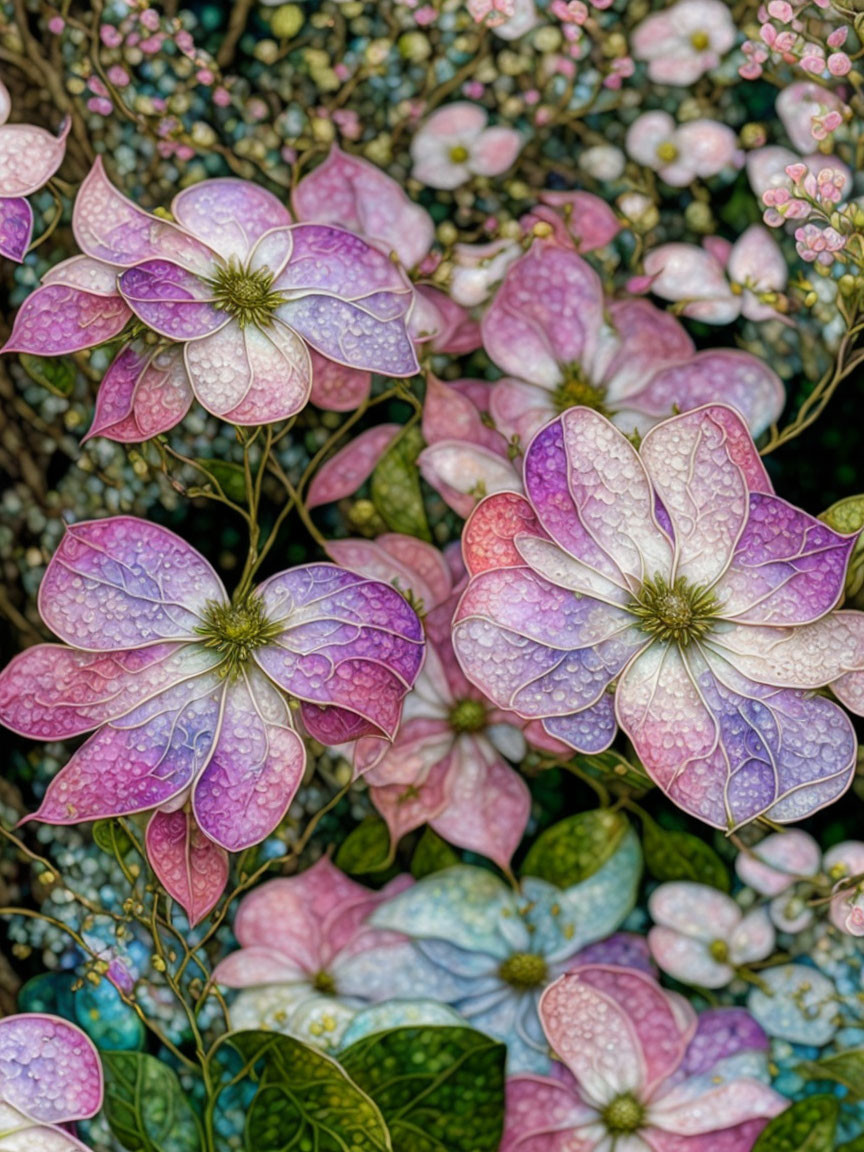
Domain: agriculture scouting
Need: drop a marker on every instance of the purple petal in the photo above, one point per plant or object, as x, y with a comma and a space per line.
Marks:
352, 335
49, 1069
255, 769
351, 466
591, 730
50, 692
333, 261
230, 215
720, 1033
123, 582
545, 315
276, 370
109, 227
141, 761
624, 950
29, 157
190, 867
56, 319
142, 394
16, 227
545, 1115
171, 301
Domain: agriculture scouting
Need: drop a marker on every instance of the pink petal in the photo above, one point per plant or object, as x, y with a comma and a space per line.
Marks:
455, 331
544, 1115
56, 319
494, 151
29, 157
142, 394
219, 369
410, 565
687, 959
757, 260
252, 966
16, 227
487, 538
458, 119
694, 910
49, 1069
123, 582
741, 1138
648, 339
808, 656
337, 388
229, 215
351, 334
778, 861
689, 274
351, 466
591, 222
449, 414
708, 146
462, 474
192, 869
280, 377
520, 409
255, 768
693, 1108
330, 260
405, 807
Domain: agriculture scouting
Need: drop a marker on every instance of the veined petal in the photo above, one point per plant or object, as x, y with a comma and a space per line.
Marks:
172, 301
351, 466
410, 565
16, 227
56, 319
590, 730
698, 1106
141, 395
49, 1069
84, 272
647, 339
280, 377
331, 260
463, 473
545, 1115
547, 559
807, 656
229, 215
190, 867
351, 334
123, 582
29, 157
488, 538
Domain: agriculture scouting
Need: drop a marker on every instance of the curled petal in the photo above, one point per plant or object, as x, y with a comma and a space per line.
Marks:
56, 319
463, 473
351, 466
229, 215
141, 395
190, 867
489, 534
49, 1069
16, 227
29, 157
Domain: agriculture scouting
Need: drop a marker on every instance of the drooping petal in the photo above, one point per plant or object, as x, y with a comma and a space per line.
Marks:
29, 157
57, 319
351, 466
410, 565
255, 767
545, 1115
544, 315
229, 215
351, 334
408, 805
171, 300
335, 387
520, 409
16, 227
489, 534
49, 1069
141, 395
141, 761
461, 473
123, 582
190, 867
449, 414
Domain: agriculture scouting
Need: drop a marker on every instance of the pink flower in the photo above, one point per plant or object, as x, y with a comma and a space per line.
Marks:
768, 171
680, 154
700, 936
508, 19
773, 869
817, 244
579, 220
642, 1072
29, 157
702, 622
561, 343
844, 863
477, 268
683, 42
799, 104
189, 691
747, 281
455, 143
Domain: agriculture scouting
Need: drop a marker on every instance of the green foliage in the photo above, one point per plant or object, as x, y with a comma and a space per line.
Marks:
848, 516
808, 1126
55, 373
395, 487
145, 1105
575, 848
229, 476
681, 856
614, 771
112, 839
432, 854
846, 1068
440, 1089
365, 849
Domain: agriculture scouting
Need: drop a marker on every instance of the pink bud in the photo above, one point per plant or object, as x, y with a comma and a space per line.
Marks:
838, 37
839, 64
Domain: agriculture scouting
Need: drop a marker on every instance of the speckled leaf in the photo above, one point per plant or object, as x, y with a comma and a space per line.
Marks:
365, 849
574, 849
846, 1068
432, 854
305, 1100
395, 487
145, 1105
440, 1089
680, 856
57, 374
848, 516
807, 1126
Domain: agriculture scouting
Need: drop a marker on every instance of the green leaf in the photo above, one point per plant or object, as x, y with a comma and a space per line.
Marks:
112, 839
55, 373
305, 1100
395, 487
807, 1126
680, 856
575, 848
432, 854
440, 1089
848, 516
846, 1068
229, 476
365, 849
856, 1145
145, 1106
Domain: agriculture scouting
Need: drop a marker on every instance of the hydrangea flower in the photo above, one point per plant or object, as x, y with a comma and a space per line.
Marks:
796, 1002
491, 950
308, 958
456, 143
668, 589
50, 1076
700, 936
189, 692
643, 1072
683, 42
682, 153
560, 343
233, 297
29, 157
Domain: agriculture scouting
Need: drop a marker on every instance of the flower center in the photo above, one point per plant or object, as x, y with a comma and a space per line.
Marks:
458, 154
236, 630
623, 1114
678, 612
700, 41
324, 982
719, 950
523, 970
667, 152
247, 296
575, 391
468, 716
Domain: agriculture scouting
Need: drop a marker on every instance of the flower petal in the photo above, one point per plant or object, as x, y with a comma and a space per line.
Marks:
229, 215
721, 1033
694, 910
56, 319
489, 534
351, 466
353, 335
796, 1002
170, 300
338, 263
280, 377
29, 157
544, 1115
406, 806
688, 960
141, 395
698, 1106
590, 730
336, 388
123, 582
16, 227
462, 473
410, 565
807, 656
190, 867
450, 414
775, 863
49, 1069
255, 768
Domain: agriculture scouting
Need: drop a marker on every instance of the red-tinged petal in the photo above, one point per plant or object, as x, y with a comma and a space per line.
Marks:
546, 1115
16, 227
337, 388
56, 319
190, 867
141, 395
449, 414
489, 534
29, 157
229, 215
49, 1069
409, 806
351, 466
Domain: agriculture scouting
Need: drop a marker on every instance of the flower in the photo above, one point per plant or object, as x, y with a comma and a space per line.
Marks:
491, 950
795, 1002
232, 287
455, 143
681, 153
684, 41
580, 220
560, 343
189, 691
50, 1076
701, 935
718, 283
29, 157
308, 957
815, 244
478, 267
668, 589
643, 1072
844, 863
799, 105
508, 19
774, 868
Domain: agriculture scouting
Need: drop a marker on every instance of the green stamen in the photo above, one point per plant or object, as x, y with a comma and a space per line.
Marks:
247, 296
623, 1114
523, 970
575, 391
468, 716
236, 630
679, 612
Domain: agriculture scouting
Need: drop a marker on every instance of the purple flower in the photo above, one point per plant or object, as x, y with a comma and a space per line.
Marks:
29, 157
234, 298
671, 591
50, 1076
189, 692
